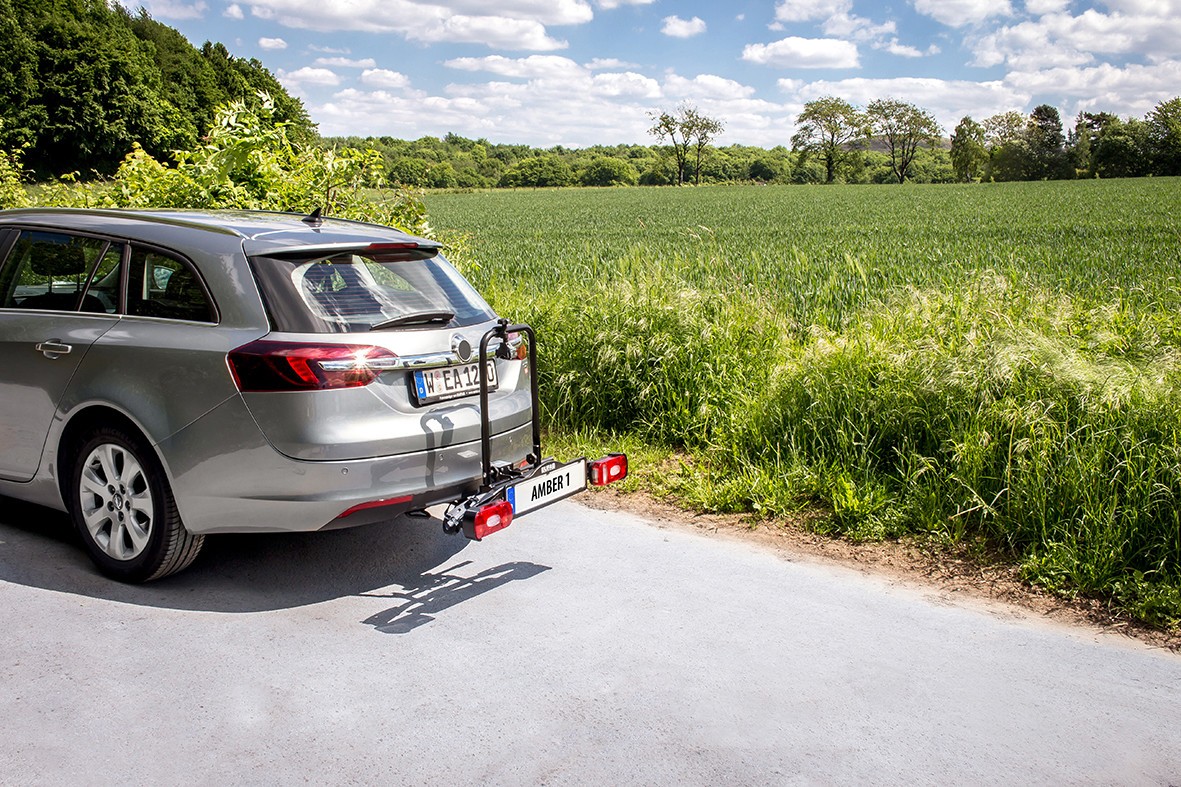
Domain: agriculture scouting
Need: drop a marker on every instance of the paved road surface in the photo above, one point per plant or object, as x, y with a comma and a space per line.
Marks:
577, 647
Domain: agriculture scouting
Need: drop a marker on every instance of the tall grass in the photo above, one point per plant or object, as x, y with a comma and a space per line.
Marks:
980, 363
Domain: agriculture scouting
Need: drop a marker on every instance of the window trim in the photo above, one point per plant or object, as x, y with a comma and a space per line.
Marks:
10, 232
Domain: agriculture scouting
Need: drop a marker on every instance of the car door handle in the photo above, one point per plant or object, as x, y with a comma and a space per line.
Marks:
54, 348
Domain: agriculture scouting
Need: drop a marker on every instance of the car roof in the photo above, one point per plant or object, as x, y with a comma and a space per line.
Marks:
262, 232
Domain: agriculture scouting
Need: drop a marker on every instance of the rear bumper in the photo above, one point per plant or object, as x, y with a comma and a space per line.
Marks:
227, 479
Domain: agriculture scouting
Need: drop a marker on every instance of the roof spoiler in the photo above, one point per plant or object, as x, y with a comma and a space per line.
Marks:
382, 251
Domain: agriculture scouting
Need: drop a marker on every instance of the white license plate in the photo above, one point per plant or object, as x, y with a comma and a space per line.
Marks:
540, 490
437, 385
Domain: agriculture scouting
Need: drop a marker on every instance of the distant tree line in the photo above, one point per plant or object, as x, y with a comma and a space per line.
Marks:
83, 80
1011, 146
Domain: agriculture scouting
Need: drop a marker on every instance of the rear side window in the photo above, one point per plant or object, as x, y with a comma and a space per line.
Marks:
349, 293
159, 285
49, 271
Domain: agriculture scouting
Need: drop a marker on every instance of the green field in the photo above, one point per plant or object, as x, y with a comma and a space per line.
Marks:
997, 365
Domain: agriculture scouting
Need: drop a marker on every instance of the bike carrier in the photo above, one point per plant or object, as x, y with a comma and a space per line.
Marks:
489, 510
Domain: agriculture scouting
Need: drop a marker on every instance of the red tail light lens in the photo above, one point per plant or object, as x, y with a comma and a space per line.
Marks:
489, 519
295, 366
607, 470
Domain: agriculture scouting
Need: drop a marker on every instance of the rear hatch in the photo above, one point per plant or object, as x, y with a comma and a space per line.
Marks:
373, 352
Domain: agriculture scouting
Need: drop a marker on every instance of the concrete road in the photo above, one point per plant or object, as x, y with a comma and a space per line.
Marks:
577, 647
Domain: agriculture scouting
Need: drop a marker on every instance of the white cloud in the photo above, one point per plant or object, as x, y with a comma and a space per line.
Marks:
532, 67
234, 11
272, 44
1133, 89
959, 13
554, 108
857, 28
901, 50
794, 52
601, 63
512, 24
676, 27
948, 100
625, 84
610, 4
1040, 7
320, 77
345, 62
807, 10
1062, 40
705, 86
384, 78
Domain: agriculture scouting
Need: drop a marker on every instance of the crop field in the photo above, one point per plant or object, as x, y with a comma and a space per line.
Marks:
997, 365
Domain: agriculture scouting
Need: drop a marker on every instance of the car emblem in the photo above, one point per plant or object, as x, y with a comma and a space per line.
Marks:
462, 348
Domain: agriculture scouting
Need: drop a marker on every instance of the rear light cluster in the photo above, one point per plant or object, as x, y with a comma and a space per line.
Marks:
607, 470
488, 519
297, 366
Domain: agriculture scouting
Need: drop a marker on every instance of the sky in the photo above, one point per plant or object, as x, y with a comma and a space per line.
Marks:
591, 72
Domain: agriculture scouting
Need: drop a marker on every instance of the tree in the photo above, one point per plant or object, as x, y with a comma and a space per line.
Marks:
1121, 149
1164, 137
608, 171
968, 154
668, 127
830, 128
687, 130
1008, 151
904, 127
1046, 144
699, 130
538, 172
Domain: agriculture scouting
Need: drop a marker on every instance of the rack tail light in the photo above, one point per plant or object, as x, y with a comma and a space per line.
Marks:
607, 470
488, 519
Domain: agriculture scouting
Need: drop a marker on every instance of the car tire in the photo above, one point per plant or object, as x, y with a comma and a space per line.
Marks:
123, 508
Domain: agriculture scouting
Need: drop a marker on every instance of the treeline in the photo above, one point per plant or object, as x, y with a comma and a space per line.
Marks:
848, 146
458, 162
1012, 146
83, 80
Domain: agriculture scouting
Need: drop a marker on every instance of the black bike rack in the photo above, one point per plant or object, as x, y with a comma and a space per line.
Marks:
497, 478
501, 330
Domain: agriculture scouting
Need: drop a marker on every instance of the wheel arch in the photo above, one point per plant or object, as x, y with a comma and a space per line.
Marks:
83, 421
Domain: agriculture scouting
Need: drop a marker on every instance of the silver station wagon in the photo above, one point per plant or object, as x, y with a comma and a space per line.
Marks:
170, 374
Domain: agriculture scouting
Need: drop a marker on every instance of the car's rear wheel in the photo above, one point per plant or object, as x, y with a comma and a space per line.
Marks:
123, 508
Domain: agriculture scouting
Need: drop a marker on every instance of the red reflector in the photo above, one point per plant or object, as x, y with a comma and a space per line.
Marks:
392, 501
489, 519
607, 470
296, 366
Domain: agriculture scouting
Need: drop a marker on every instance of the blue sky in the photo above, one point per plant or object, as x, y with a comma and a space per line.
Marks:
585, 72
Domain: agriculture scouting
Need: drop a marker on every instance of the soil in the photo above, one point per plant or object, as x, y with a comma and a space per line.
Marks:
952, 575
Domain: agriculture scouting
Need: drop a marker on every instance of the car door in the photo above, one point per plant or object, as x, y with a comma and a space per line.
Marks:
59, 293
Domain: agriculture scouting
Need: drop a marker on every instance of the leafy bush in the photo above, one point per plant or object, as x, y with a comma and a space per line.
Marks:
248, 161
12, 190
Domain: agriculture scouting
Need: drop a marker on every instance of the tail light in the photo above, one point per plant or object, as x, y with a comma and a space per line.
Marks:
296, 366
607, 470
488, 519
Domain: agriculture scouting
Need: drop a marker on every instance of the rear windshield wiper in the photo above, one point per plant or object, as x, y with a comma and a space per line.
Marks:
416, 318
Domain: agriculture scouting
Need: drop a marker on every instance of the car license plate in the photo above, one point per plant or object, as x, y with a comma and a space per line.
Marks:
550, 487
452, 382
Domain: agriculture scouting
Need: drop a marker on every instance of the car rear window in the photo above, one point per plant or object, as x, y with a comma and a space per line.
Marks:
357, 292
